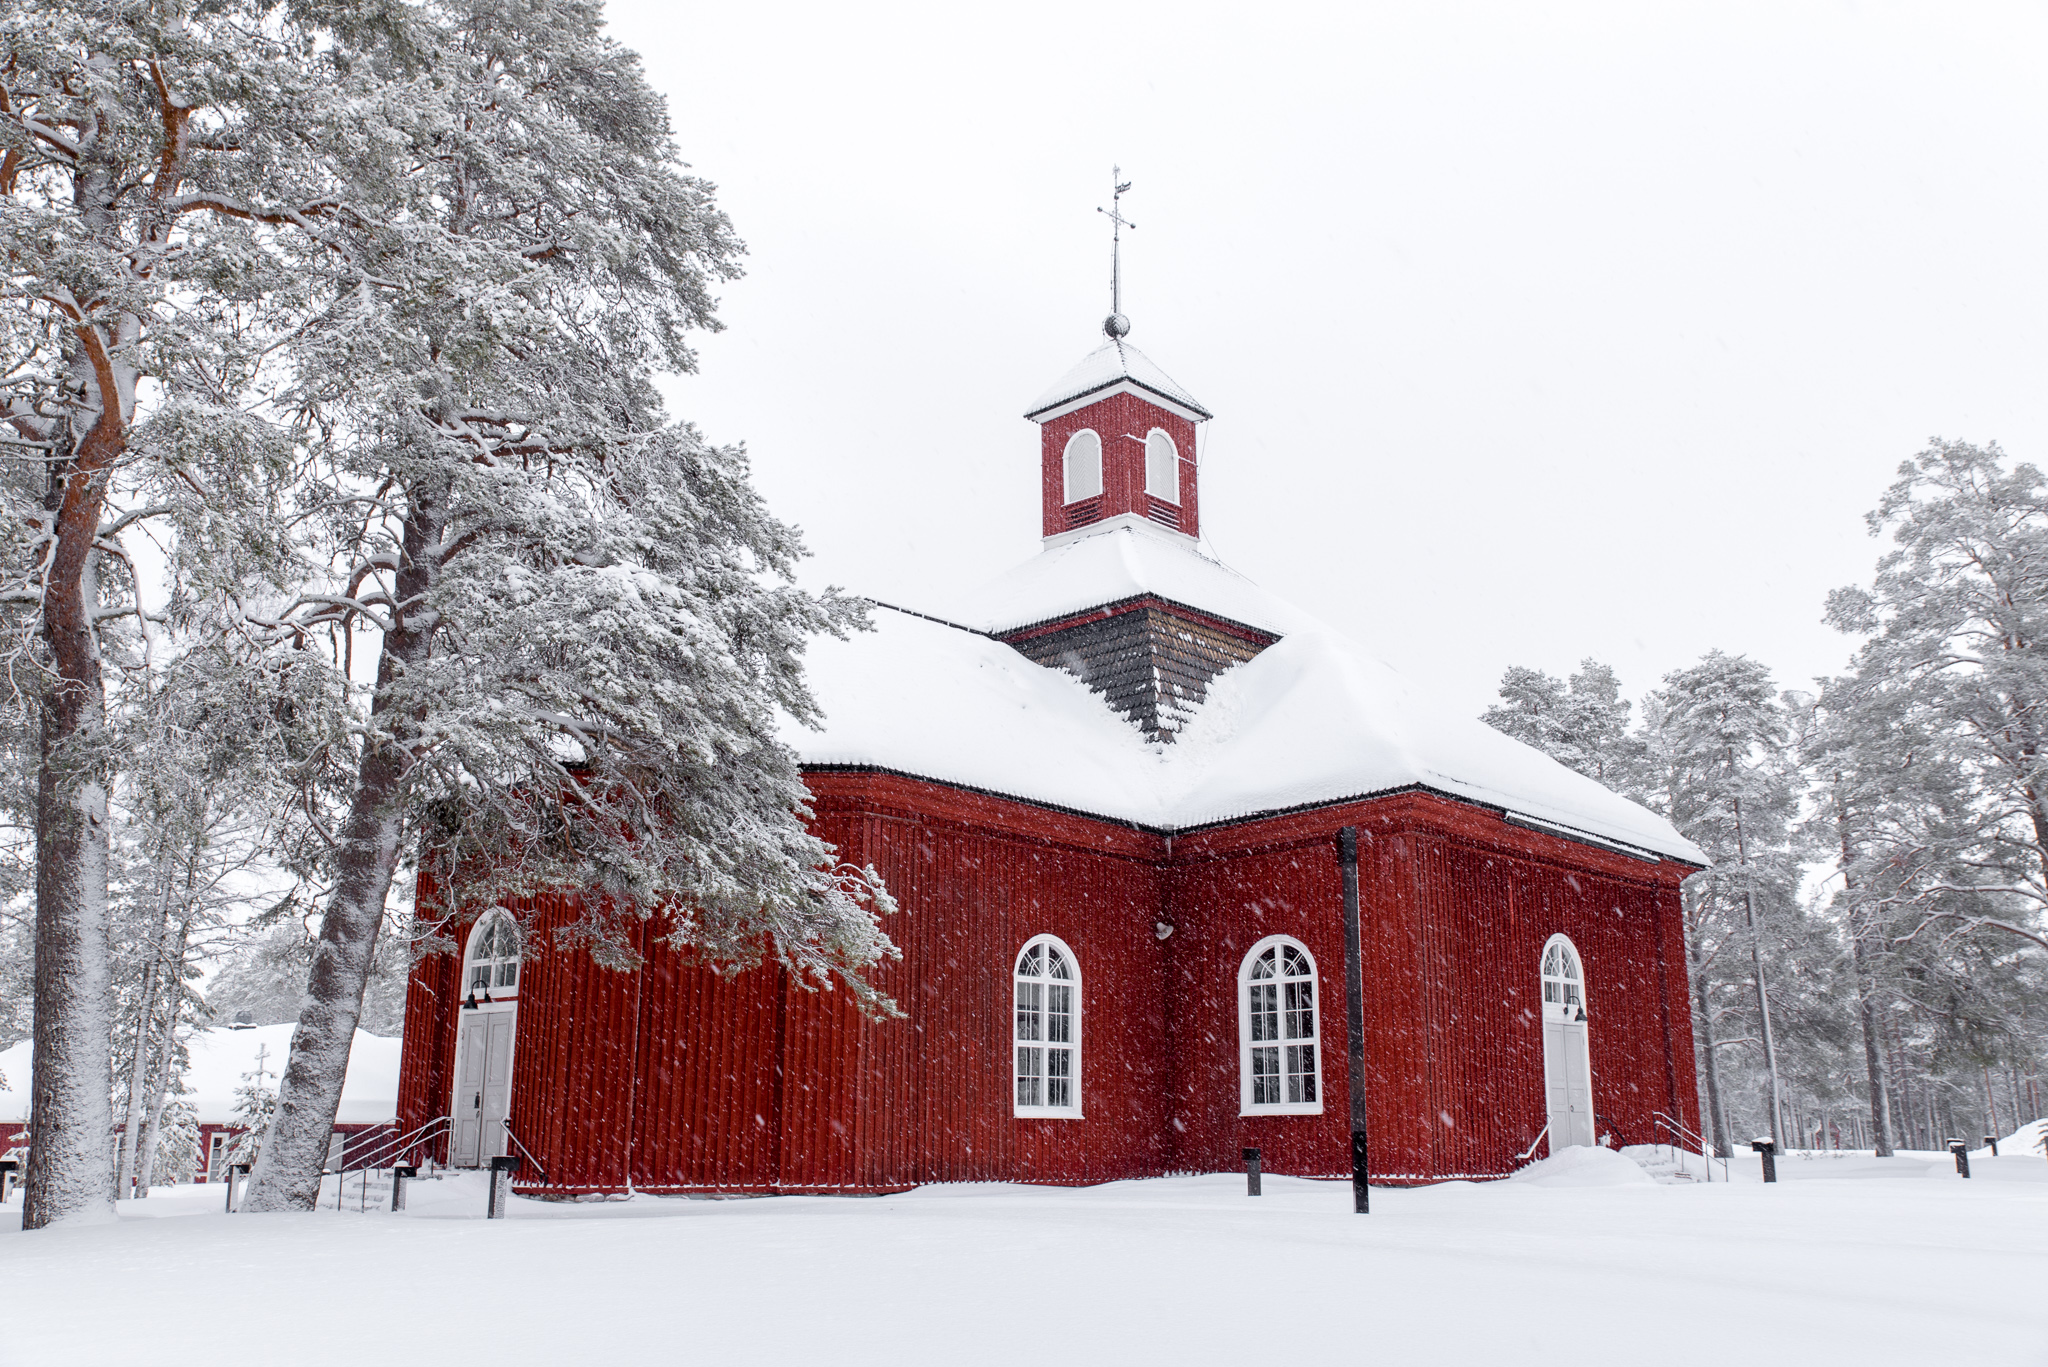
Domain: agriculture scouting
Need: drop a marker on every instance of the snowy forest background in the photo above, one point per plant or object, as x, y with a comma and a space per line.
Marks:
350, 324
1866, 950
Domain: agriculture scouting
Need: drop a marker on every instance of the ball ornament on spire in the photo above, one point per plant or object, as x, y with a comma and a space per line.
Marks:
1117, 326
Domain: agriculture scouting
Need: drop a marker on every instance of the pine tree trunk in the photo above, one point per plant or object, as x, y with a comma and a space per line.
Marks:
1763, 994
1866, 1016
138, 1084
287, 1171
167, 1052
159, 1089
1710, 1069
71, 1153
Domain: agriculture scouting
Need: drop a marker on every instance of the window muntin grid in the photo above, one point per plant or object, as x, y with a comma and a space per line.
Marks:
1564, 981
494, 956
1046, 1028
1281, 1057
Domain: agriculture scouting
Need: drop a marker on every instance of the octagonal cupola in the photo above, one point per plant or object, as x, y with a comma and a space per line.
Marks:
1117, 438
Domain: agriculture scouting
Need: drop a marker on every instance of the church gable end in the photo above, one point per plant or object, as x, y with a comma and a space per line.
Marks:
1150, 659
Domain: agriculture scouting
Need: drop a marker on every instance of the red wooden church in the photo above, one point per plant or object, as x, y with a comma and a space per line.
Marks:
1106, 790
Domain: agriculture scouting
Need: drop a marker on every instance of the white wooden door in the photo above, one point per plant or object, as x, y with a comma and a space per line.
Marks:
469, 1090
497, 1085
1567, 1083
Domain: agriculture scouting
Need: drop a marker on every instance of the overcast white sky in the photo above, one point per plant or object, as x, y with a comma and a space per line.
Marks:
1533, 332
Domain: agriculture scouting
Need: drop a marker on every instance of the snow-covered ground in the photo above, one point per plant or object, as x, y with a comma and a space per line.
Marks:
1580, 1259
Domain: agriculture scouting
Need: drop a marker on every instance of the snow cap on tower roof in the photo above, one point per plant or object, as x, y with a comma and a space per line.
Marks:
1115, 362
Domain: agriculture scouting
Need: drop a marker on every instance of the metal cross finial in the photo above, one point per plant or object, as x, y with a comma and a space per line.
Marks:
1116, 325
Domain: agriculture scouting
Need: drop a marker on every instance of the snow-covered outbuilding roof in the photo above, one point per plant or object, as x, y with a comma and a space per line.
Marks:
220, 1058
1113, 363
1312, 719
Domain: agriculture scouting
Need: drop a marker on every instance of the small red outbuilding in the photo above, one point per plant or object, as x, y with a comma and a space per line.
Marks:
1107, 791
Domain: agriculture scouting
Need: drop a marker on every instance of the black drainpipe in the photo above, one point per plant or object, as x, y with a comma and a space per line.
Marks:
1354, 1016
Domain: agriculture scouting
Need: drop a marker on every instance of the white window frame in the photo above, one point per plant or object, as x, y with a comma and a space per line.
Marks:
1073, 1047
1244, 1029
1164, 462
1569, 1002
1083, 441
502, 994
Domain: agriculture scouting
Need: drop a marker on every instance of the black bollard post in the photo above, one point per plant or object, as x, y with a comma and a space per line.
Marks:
235, 1171
8, 1167
1769, 1149
1251, 1172
398, 1179
1991, 1143
1962, 1153
502, 1168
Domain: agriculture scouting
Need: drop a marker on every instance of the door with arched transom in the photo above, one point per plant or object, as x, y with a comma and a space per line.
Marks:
487, 1017
1567, 1062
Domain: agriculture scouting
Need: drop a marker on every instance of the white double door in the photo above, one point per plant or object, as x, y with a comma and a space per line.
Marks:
1567, 1083
483, 1086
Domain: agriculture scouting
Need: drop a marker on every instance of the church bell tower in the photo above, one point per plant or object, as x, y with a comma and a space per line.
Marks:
1117, 434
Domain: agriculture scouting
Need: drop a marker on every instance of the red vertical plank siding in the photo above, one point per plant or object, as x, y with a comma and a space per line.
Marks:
426, 1058
1455, 907
573, 1074
674, 1078
705, 1098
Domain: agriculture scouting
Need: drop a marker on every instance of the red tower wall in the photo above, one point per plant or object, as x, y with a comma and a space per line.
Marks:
1117, 419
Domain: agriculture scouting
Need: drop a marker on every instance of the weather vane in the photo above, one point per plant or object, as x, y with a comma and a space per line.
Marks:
1116, 325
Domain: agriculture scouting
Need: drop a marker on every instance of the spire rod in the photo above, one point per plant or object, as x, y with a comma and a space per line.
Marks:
1116, 325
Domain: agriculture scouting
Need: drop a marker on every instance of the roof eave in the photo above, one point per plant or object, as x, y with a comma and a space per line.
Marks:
1185, 408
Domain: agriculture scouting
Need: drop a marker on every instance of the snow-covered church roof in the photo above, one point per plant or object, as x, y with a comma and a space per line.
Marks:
1114, 362
1312, 719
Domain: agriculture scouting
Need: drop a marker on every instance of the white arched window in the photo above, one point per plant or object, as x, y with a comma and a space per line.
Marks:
1564, 983
1047, 1027
492, 968
1083, 465
1162, 467
1277, 1029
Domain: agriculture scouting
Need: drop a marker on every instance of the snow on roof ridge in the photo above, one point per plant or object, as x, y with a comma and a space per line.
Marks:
1111, 363
1311, 721
1114, 562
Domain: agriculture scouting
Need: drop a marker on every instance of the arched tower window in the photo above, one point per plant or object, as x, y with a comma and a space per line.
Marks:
1047, 1027
1083, 465
1162, 467
493, 961
1280, 1064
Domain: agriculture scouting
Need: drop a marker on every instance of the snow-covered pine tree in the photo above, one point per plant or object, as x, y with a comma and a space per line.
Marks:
169, 205
1956, 619
1887, 785
585, 617
255, 1113
1719, 767
212, 739
174, 1156
1581, 723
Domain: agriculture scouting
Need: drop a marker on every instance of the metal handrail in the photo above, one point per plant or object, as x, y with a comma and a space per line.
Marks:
1523, 1156
384, 1146
538, 1165
1678, 1131
381, 1151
